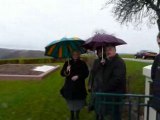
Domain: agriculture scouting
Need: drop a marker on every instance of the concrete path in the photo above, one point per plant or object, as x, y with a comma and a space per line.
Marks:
139, 60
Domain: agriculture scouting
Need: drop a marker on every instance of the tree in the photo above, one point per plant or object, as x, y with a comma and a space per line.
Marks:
127, 11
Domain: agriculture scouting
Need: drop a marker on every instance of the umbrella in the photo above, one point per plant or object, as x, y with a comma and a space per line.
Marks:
101, 40
64, 47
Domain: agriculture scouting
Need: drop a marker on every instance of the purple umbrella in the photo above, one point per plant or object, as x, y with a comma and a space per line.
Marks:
100, 40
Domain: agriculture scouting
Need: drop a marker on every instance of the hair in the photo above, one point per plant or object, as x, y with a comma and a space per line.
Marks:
98, 48
113, 46
76, 52
110, 45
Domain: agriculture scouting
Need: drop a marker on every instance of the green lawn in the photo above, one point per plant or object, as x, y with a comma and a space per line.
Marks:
135, 79
40, 100
127, 55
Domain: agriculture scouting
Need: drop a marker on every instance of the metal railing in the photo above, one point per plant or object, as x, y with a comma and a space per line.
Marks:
130, 106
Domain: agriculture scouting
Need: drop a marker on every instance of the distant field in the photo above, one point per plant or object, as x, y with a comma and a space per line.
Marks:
127, 55
40, 100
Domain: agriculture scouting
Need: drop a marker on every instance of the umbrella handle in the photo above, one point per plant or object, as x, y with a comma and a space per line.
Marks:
68, 62
102, 60
102, 53
67, 72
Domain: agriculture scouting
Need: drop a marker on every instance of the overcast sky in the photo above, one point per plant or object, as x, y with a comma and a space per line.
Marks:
32, 24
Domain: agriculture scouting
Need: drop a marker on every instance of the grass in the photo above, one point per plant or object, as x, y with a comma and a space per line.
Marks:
127, 55
40, 100
135, 79
34, 100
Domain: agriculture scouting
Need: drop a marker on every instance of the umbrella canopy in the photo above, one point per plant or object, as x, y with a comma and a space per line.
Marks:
100, 40
64, 47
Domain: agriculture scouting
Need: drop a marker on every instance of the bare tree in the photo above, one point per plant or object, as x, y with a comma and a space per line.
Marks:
127, 11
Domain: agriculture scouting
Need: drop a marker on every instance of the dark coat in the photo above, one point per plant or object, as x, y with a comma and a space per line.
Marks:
111, 77
155, 71
96, 77
115, 75
75, 90
154, 86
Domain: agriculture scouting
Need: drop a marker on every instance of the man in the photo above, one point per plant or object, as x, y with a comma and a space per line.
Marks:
155, 72
114, 79
158, 40
155, 75
115, 72
110, 78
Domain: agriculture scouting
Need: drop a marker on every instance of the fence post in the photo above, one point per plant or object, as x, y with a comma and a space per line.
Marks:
129, 109
139, 102
152, 112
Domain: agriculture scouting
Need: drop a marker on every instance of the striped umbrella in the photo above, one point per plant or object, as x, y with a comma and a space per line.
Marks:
64, 47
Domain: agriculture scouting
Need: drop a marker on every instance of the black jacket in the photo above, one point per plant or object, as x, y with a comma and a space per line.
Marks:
155, 71
115, 75
96, 76
110, 78
154, 86
75, 90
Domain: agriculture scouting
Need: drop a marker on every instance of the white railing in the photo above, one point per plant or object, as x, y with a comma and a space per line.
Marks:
147, 74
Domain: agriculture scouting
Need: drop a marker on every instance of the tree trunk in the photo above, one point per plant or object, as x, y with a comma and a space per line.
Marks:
158, 37
158, 23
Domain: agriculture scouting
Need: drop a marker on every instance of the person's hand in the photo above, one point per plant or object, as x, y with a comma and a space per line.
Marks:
74, 78
89, 88
103, 61
68, 68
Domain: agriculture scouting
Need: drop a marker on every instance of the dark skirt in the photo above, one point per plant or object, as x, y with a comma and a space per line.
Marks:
75, 105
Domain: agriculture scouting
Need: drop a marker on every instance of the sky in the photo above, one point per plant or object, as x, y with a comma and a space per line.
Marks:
33, 24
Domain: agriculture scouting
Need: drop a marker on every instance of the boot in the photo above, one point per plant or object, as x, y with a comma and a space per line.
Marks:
77, 114
72, 115
99, 117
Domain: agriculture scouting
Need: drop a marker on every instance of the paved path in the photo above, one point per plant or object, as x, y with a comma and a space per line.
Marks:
139, 60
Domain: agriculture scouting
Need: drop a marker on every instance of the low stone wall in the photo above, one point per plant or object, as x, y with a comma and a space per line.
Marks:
28, 77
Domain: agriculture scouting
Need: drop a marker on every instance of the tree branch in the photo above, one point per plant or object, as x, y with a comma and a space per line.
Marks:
152, 5
127, 11
158, 3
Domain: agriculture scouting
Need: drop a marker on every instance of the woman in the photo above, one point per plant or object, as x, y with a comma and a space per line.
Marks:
75, 71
